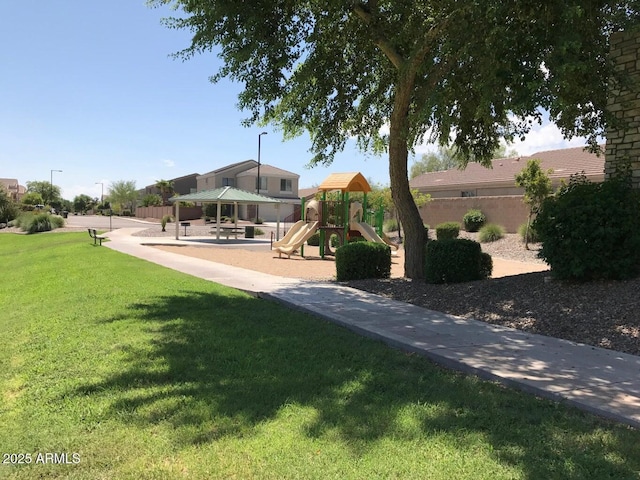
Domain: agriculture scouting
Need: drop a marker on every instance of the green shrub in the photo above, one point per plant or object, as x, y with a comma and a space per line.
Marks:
39, 222
166, 219
532, 234
210, 210
258, 231
490, 233
314, 240
390, 225
8, 209
334, 241
486, 265
456, 260
473, 220
56, 221
360, 260
447, 230
357, 239
259, 221
590, 231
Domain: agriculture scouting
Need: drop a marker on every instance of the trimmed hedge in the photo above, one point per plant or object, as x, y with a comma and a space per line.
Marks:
360, 260
591, 230
473, 220
456, 260
447, 230
314, 240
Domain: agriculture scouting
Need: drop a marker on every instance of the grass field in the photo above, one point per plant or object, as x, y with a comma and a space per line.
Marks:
138, 372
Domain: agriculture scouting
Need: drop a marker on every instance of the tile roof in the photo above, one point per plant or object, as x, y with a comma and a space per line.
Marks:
266, 170
307, 192
564, 163
227, 167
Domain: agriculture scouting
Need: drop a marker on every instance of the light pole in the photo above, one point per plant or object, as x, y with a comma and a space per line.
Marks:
51, 185
258, 205
101, 192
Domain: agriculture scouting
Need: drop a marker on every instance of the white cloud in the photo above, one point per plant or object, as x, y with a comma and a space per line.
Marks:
169, 163
541, 138
94, 191
545, 137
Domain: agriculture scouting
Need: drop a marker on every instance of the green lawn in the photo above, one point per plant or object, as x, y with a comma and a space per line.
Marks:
143, 373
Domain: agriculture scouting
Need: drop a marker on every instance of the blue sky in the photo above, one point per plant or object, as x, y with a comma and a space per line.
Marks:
89, 88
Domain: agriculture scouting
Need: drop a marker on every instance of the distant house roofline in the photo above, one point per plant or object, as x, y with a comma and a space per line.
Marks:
228, 167
563, 162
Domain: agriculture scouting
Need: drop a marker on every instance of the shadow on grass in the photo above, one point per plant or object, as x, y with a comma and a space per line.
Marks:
220, 365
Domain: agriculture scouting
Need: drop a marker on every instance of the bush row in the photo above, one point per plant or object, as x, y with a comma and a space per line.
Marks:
456, 260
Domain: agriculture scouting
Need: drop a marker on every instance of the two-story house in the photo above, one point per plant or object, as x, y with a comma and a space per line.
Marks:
274, 182
14, 190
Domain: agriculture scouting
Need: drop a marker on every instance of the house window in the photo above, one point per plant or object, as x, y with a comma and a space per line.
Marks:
468, 193
286, 185
228, 182
263, 184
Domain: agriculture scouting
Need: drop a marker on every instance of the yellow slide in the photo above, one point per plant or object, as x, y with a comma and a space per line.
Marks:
295, 228
369, 233
300, 236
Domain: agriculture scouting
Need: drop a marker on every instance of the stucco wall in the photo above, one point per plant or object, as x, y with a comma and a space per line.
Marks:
508, 211
186, 213
623, 144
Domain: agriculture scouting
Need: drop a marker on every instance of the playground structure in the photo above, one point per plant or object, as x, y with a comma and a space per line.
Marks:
340, 217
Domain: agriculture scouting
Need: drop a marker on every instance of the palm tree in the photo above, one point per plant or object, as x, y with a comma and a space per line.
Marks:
166, 188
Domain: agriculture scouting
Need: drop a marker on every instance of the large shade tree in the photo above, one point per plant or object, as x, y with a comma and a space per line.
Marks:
124, 193
467, 72
50, 193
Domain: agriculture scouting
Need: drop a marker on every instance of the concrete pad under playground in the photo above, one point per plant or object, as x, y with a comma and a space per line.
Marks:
601, 381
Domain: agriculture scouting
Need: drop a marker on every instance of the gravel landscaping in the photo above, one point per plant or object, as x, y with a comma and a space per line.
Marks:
604, 314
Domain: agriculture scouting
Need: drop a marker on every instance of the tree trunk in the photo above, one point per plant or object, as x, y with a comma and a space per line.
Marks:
400, 191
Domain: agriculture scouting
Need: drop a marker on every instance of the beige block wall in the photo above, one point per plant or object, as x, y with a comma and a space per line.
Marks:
508, 211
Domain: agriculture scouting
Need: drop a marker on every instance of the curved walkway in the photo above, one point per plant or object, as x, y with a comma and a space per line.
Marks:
600, 381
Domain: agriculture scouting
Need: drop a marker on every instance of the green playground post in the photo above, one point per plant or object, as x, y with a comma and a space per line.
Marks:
303, 216
322, 222
379, 220
345, 221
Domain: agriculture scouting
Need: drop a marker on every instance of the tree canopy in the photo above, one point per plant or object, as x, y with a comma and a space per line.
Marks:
124, 194
50, 194
462, 72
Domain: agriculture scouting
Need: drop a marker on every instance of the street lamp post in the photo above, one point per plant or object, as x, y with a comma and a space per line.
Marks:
51, 185
101, 192
258, 205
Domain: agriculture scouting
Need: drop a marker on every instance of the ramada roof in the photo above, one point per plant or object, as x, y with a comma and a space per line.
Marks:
564, 163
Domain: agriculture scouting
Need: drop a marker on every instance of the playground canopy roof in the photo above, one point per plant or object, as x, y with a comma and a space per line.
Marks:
347, 182
225, 195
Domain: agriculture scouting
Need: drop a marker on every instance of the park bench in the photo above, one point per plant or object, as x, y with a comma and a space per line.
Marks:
96, 238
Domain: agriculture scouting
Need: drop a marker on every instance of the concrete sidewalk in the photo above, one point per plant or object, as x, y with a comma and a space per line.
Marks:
600, 381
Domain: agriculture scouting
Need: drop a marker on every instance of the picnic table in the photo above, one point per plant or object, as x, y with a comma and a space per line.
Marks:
228, 231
